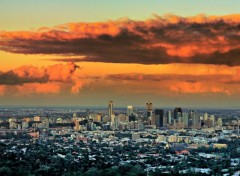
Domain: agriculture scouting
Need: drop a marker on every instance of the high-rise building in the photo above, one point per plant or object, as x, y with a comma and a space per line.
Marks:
149, 108
185, 119
159, 117
190, 118
116, 122
106, 119
205, 117
208, 123
112, 117
212, 117
98, 117
157, 120
122, 118
194, 119
47, 122
19, 126
219, 122
177, 113
129, 110
153, 119
169, 117
110, 108
131, 118
25, 125
12, 125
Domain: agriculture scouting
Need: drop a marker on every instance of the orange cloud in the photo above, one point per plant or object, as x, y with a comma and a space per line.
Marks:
179, 83
2, 90
238, 73
28, 71
160, 40
28, 74
197, 88
38, 88
53, 79
190, 50
78, 85
113, 28
61, 72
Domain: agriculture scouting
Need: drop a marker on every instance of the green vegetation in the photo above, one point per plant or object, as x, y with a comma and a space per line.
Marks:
69, 157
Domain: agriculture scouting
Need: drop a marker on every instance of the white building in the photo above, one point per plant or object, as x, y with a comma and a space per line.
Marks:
36, 119
219, 122
212, 117
129, 110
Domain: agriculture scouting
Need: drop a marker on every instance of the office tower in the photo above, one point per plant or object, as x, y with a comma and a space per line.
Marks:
153, 120
205, 116
106, 127
131, 118
25, 125
116, 122
159, 117
122, 118
136, 125
129, 110
110, 108
185, 119
238, 123
177, 113
194, 119
208, 123
201, 122
106, 119
169, 117
131, 125
112, 117
12, 125
157, 120
47, 122
212, 117
98, 117
190, 118
149, 108
12, 119
89, 126
19, 126
219, 122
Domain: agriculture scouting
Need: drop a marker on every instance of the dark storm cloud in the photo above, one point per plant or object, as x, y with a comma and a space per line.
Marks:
10, 78
162, 40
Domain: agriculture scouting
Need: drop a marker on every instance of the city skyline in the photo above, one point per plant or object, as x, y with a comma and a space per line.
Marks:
78, 53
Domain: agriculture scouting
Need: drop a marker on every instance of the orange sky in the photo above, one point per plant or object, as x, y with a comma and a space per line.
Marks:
167, 59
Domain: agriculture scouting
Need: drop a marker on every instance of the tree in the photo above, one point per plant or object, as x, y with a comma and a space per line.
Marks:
92, 171
113, 171
137, 170
5, 171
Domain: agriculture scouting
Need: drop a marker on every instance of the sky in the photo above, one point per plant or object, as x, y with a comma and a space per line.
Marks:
85, 53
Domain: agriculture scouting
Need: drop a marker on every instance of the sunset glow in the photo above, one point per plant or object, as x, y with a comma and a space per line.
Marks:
192, 59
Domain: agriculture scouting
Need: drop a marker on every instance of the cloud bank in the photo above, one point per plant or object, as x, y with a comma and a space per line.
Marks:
32, 74
160, 40
52, 79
